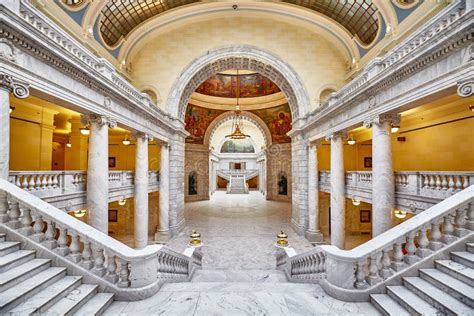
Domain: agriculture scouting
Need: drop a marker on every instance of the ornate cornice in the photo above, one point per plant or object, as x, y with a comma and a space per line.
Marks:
383, 118
18, 88
102, 120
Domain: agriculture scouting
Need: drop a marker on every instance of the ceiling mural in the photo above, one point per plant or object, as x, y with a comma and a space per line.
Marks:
278, 120
243, 146
225, 86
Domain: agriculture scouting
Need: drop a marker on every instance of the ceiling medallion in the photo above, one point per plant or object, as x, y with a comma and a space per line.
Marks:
237, 128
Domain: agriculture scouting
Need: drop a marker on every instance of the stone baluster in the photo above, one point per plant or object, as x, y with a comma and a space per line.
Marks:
360, 282
448, 230
435, 243
14, 215
17, 181
426, 181
410, 247
62, 249
74, 247
31, 183
432, 182
373, 277
459, 185
24, 183
124, 274
470, 217
465, 182
111, 275
438, 181
423, 243
86, 262
385, 272
38, 227
99, 260
4, 207
444, 182
50, 233
451, 183
398, 262
460, 221
26, 222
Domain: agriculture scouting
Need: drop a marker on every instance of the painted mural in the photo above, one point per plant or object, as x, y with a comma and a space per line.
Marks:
278, 120
242, 146
197, 121
252, 85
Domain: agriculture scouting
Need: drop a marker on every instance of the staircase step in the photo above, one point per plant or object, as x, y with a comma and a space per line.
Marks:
26, 289
387, 305
410, 301
470, 247
456, 270
3, 237
226, 287
464, 257
7, 247
19, 273
450, 285
436, 297
15, 258
96, 305
73, 301
269, 276
49, 296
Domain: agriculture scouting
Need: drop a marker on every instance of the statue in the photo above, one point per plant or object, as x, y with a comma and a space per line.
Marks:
283, 185
192, 189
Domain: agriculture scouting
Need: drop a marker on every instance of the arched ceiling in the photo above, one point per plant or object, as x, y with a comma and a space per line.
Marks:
119, 18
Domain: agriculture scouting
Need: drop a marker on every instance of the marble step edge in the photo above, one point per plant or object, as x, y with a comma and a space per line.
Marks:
3, 237
457, 289
436, 297
41, 301
387, 305
19, 273
73, 301
410, 301
238, 287
470, 247
15, 258
97, 305
456, 270
26, 289
464, 257
7, 247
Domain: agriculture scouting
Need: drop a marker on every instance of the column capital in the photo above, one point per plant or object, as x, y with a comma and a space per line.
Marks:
336, 135
465, 88
383, 118
142, 135
314, 144
19, 88
102, 120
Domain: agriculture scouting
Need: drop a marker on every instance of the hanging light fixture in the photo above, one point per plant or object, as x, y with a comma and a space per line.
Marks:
237, 128
79, 213
85, 130
355, 201
400, 214
126, 141
122, 202
351, 140
395, 128
68, 144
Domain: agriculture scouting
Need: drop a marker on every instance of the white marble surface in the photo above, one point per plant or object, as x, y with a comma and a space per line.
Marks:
164, 190
238, 231
141, 192
4, 133
338, 198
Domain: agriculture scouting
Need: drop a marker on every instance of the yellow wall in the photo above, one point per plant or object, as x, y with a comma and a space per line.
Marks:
353, 156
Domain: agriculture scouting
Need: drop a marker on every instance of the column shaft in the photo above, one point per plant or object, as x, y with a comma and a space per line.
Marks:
383, 184
97, 196
141, 192
338, 199
163, 228
312, 233
4, 133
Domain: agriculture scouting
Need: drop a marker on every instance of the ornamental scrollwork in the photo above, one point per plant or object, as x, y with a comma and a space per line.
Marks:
465, 89
88, 119
19, 89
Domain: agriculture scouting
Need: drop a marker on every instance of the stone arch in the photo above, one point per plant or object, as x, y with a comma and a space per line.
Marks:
240, 57
248, 116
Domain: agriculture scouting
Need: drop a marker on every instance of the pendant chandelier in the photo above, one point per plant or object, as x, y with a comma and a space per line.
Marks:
237, 128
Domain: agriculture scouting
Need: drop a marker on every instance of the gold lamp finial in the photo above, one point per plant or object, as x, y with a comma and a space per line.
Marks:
282, 239
195, 239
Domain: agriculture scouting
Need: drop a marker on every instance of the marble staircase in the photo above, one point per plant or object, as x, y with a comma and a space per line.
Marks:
31, 285
445, 289
237, 185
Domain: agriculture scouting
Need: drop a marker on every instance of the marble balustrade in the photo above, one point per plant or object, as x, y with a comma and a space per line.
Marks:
114, 264
431, 186
307, 267
56, 187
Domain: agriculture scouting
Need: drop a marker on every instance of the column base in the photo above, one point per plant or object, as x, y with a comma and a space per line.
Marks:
162, 237
314, 236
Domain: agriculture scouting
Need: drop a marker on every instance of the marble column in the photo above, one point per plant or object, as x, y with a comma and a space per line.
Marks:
163, 232
20, 90
141, 191
97, 195
383, 182
313, 233
338, 198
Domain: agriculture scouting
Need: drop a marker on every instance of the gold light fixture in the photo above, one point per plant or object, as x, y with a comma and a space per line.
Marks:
79, 213
395, 128
400, 214
68, 144
12, 108
126, 141
122, 202
282, 239
237, 128
355, 201
351, 140
195, 239
85, 130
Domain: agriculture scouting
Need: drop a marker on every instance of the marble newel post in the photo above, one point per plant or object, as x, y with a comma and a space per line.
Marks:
383, 183
97, 195
312, 232
338, 198
163, 232
20, 90
141, 191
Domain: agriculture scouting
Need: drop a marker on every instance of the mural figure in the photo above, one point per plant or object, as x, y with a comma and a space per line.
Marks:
239, 146
192, 184
278, 120
283, 185
197, 121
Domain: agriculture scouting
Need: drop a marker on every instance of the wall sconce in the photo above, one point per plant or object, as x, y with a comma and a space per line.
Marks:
12, 108
85, 130
395, 128
122, 202
79, 213
351, 140
126, 141
471, 107
355, 201
282, 239
400, 214
68, 144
